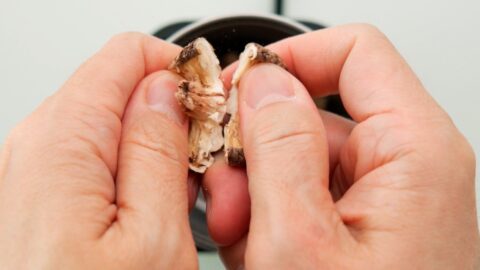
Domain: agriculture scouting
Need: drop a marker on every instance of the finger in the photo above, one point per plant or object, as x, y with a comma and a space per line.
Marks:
227, 74
73, 155
278, 122
152, 189
233, 257
95, 97
286, 151
86, 112
337, 129
227, 192
228, 202
348, 59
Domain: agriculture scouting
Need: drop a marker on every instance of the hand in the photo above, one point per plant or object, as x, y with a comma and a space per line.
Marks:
401, 175
96, 178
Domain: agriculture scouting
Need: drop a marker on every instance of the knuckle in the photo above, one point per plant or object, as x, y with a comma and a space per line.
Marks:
368, 29
367, 32
61, 122
101, 127
287, 131
292, 239
452, 147
293, 138
105, 123
121, 38
14, 135
33, 123
156, 140
15, 140
287, 154
126, 40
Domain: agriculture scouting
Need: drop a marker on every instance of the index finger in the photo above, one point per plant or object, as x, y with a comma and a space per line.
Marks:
98, 92
83, 120
69, 146
357, 61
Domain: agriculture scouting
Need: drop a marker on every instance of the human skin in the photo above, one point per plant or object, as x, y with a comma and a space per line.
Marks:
97, 176
392, 189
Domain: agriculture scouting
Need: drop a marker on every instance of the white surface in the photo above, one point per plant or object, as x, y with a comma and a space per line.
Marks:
42, 42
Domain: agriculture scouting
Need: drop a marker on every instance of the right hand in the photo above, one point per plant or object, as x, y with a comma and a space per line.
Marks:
401, 174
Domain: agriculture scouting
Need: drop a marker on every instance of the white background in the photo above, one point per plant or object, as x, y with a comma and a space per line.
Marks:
42, 42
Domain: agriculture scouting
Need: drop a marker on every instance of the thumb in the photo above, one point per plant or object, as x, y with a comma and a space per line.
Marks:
152, 190
286, 150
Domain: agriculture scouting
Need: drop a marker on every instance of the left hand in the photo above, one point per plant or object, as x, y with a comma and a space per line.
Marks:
96, 177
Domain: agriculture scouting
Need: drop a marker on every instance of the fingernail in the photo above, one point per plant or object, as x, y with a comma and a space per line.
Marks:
266, 84
161, 97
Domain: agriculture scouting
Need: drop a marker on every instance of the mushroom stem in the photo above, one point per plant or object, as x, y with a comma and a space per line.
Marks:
252, 55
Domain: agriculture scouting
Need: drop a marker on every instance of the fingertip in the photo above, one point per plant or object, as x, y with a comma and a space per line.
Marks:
233, 256
228, 203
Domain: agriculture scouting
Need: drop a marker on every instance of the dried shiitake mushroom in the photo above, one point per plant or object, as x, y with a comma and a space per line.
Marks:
253, 54
202, 95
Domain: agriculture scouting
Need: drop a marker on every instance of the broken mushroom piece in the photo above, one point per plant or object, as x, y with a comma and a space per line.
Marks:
253, 54
202, 95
